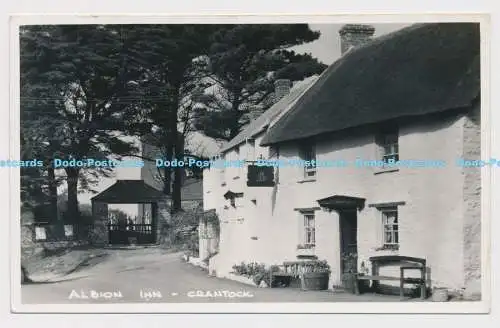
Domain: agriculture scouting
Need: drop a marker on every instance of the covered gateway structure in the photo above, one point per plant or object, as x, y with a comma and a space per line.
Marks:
130, 192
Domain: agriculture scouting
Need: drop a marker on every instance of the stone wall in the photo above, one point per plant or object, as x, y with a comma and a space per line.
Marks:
56, 238
472, 201
29, 246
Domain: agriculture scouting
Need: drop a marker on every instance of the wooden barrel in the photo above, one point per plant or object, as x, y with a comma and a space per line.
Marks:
315, 280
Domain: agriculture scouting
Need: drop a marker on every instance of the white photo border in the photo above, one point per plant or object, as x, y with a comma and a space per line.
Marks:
482, 306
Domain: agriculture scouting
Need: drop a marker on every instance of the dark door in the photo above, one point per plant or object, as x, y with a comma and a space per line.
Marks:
349, 240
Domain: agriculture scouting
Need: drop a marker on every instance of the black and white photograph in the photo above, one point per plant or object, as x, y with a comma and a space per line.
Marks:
250, 163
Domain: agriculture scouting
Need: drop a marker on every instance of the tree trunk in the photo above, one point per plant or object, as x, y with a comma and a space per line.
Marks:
176, 78
178, 175
73, 213
236, 114
167, 170
53, 193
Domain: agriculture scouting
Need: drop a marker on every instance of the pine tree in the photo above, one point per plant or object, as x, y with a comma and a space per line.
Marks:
77, 80
245, 61
171, 56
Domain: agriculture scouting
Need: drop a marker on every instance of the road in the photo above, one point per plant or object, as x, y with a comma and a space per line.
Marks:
150, 275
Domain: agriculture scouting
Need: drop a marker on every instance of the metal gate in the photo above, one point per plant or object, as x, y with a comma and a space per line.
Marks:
131, 234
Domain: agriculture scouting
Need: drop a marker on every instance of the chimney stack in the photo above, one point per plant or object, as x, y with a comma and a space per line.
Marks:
354, 35
282, 88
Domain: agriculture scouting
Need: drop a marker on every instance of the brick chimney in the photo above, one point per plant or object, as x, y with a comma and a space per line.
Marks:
281, 88
354, 35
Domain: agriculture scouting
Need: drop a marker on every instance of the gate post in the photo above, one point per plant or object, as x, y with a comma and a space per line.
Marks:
100, 234
163, 222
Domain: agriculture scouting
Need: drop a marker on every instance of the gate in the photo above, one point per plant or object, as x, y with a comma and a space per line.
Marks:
139, 234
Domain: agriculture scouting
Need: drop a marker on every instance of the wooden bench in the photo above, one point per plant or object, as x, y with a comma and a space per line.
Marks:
406, 263
291, 269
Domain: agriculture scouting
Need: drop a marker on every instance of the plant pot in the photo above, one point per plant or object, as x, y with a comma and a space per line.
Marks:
315, 280
295, 282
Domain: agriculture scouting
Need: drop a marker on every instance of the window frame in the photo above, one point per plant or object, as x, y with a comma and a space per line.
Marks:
308, 229
307, 152
388, 149
389, 227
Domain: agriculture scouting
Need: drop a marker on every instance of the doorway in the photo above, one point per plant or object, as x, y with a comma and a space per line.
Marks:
348, 220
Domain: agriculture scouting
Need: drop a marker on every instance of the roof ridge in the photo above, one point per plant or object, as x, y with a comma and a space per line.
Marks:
286, 102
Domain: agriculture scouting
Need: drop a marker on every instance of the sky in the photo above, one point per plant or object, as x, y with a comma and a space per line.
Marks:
326, 49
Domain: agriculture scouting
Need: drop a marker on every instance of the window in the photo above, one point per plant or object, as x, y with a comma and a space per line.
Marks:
308, 155
388, 143
309, 230
390, 226
261, 176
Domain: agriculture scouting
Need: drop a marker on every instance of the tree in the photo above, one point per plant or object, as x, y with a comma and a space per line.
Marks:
39, 184
83, 74
171, 56
40, 123
245, 61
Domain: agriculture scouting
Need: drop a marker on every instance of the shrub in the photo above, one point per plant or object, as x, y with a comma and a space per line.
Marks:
321, 266
255, 271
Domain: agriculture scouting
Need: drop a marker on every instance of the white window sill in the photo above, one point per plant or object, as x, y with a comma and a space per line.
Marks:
385, 170
307, 180
312, 248
306, 251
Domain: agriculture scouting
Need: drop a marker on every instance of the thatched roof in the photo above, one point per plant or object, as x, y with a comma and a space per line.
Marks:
419, 70
263, 121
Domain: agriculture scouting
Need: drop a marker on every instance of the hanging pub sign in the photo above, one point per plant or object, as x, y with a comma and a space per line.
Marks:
260, 176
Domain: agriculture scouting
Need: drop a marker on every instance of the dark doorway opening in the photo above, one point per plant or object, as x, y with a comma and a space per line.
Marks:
349, 240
